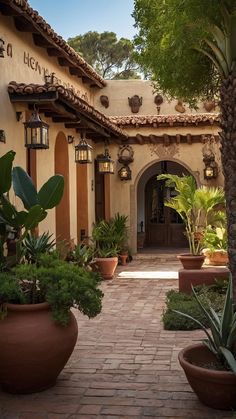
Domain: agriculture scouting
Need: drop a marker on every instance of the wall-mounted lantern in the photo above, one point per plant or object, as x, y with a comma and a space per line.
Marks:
125, 173
36, 132
83, 152
105, 163
2, 49
211, 167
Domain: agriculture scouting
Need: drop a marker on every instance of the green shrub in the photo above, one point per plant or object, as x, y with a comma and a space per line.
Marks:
209, 295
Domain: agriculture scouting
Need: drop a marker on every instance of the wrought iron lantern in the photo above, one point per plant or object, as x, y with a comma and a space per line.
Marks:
36, 132
105, 163
211, 171
2, 49
83, 152
125, 173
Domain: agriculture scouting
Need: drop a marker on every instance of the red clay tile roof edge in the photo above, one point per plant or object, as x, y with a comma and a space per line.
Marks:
57, 39
171, 120
70, 96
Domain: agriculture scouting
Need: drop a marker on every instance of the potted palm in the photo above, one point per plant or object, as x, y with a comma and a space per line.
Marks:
195, 206
37, 329
210, 367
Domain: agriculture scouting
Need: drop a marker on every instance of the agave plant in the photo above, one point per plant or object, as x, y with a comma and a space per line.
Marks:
221, 338
33, 247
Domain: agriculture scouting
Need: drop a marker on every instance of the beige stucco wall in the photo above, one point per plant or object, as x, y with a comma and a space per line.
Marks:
118, 92
27, 63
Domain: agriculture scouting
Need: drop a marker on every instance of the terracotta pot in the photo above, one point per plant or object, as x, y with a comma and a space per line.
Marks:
123, 259
214, 388
216, 258
33, 348
106, 266
190, 261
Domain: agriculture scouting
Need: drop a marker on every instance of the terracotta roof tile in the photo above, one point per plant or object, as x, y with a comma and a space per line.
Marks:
46, 29
165, 120
68, 95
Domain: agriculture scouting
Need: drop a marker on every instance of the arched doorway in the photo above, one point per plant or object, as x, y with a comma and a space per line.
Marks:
162, 226
63, 209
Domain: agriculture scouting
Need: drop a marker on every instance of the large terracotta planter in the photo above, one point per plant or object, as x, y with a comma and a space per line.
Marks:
190, 261
33, 348
106, 266
214, 388
216, 258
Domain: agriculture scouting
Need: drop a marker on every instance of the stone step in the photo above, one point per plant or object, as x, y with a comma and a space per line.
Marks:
160, 257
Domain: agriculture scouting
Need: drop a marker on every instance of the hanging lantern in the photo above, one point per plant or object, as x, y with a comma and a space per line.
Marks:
2, 49
125, 173
105, 163
36, 132
83, 152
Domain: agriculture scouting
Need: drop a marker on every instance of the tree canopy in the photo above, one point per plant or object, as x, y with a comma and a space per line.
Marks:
110, 57
188, 45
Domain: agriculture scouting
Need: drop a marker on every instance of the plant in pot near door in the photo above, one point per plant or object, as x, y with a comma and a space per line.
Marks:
109, 239
37, 330
210, 367
195, 206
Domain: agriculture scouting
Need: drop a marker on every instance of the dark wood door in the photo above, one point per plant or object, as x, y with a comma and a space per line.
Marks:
164, 227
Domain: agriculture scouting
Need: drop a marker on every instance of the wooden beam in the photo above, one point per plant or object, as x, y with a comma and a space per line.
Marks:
54, 52
24, 26
33, 97
63, 62
6, 10
166, 140
189, 139
140, 139
90, 125
40, 41
63, 119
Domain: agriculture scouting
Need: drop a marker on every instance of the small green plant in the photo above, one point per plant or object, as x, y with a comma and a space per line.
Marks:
109, 237
33, 247
61, 284
82, 255
222, 335
215, 238
195, 206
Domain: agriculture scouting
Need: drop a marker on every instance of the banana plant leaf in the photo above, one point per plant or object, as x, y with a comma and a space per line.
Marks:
34, 216
6, 171
51, 192
24, 187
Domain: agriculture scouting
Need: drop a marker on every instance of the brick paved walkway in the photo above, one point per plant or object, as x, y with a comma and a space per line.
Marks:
124, 365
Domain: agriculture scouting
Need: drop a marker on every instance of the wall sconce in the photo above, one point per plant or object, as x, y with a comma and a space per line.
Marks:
125, 173
36, 132
125, 157
19, 116
83, 152
70, 139
105, 163
49, 78
2, 136
2, 49
211, 167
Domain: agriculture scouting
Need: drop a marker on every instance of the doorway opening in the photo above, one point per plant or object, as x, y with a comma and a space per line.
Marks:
159, 227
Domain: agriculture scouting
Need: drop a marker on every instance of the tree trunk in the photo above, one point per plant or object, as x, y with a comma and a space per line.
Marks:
228, 155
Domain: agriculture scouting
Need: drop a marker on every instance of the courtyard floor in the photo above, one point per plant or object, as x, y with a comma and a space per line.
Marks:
124, 364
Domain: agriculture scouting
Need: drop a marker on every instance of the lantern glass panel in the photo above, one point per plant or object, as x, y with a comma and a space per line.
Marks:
209, 172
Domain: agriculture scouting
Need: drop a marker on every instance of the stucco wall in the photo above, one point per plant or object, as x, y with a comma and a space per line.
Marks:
118, 92
24, 62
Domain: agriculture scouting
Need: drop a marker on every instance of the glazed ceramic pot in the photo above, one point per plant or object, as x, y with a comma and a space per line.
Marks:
215, 388
33, 348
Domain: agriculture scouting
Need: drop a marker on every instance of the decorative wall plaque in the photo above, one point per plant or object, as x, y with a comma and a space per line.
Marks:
135, 102
104, 101
164, 151
179, 107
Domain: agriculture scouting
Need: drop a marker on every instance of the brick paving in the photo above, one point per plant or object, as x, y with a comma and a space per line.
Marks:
124, 364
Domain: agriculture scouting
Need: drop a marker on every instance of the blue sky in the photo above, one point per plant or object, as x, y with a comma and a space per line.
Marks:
75, 17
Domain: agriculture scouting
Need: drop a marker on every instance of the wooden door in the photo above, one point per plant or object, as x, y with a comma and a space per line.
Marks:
99, 195
164, 227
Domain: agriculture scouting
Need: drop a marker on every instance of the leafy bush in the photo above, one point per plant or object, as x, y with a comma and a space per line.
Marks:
209, 295
61, 284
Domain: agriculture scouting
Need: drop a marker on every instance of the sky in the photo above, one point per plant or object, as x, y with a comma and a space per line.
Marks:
75, 17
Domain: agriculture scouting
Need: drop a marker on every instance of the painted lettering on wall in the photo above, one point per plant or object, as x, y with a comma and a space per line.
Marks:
32, 63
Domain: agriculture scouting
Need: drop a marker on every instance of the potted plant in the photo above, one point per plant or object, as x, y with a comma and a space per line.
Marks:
195, 206
215, 245
105, 248
210, 367
121, 234
37, 329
